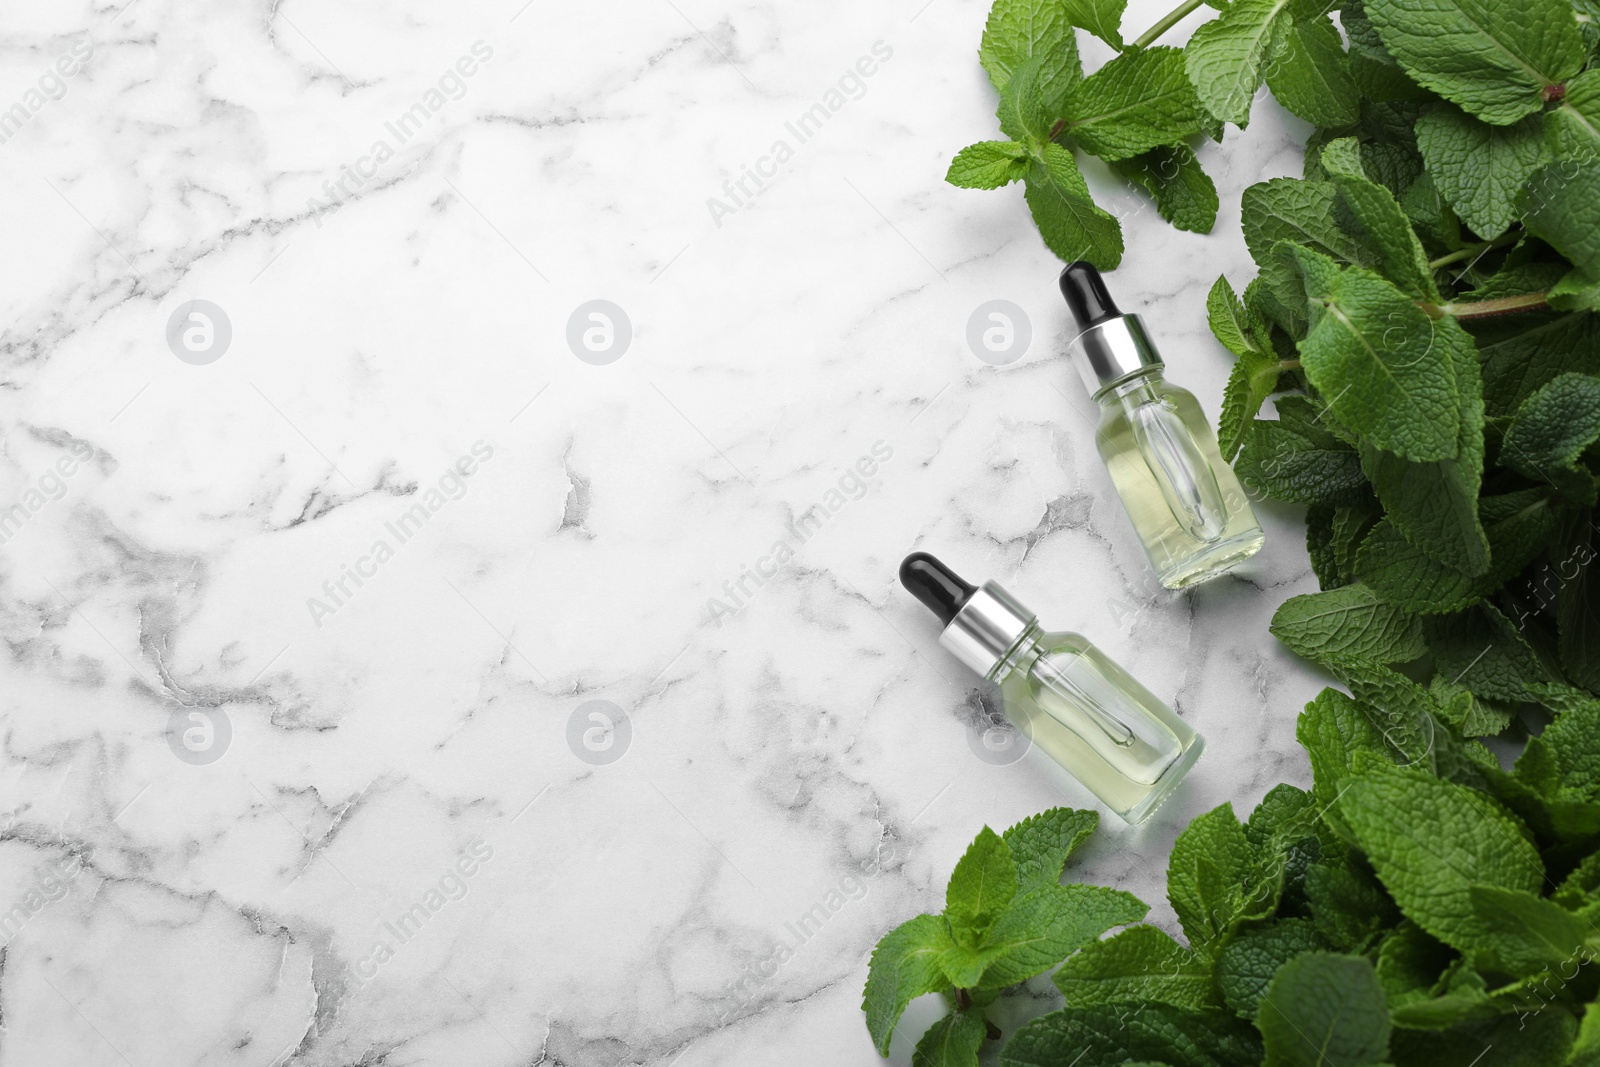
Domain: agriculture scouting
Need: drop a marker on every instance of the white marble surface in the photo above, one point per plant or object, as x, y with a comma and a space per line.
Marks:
230, 912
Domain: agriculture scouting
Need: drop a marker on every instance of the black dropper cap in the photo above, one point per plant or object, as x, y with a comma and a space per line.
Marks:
1087, 296
936, 585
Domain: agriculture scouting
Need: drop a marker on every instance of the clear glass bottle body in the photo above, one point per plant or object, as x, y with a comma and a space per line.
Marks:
1186, 504
1092, 717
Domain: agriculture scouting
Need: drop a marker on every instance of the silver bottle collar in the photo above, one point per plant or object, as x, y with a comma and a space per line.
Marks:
1112, 350
986, 629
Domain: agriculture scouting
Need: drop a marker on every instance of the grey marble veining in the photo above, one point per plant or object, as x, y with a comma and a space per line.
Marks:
308, 631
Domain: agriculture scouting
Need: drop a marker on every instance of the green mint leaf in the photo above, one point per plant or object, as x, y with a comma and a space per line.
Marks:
988, 165
1347, 905
1576, 291
1325, 1010
1488, 653
1388, 123
1520, 526
1299, 212
981, 887
1287, 834
1522, 352
964, 964
1295, 458
1255, 374
1351, 621
1562, 819
1139, 965
1430, 841
1433, 508
1041, 844
1492, 59
1311, 168
1226, 56
1487, 717
1563, 763
1460, 993
1247, 965
1398, 569
1578, 888
1319, 547
1136, 102
1412, 719
1409, 963
1111, 1034
1389, 154
1585, 1050
1561, 204
1530, 933
1277, 215
1403, 711
1277, 294
1019, 30
1239, 329
1519, 1039
1400, 256
1385, 368
1309, 74
1588, 13
1072, 226
1435, 505
1184, 193
1551, 430
953, 1041
1286, 464
904, 966
1577, 598
1517, 526
1477, 167
1103, 18
1286, 816
1454, 702
1376, 73
1431, 217
1208, 876
1049, 924
1573, 128
1350, 527
1333, 730
1022, 113
1459, 996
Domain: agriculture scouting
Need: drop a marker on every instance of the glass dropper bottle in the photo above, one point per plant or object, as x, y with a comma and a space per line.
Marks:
1088, 714
1186, 504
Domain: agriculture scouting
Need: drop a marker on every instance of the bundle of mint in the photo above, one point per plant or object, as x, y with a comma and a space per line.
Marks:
1424, 312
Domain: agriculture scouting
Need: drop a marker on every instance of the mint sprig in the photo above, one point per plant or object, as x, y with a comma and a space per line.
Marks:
1417, 366
1325, 1010
1413, 891
1498, 61
1007, 917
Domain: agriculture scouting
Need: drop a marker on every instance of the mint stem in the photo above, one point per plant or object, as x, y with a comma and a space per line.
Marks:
1473, 250
1169, 20
1486, 309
